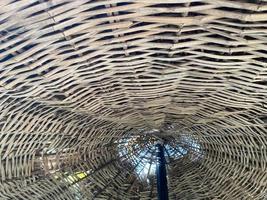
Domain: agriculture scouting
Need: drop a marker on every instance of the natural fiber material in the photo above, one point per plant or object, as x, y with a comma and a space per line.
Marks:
78, 77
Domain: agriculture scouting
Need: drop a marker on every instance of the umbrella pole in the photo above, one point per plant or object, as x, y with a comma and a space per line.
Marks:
162, 185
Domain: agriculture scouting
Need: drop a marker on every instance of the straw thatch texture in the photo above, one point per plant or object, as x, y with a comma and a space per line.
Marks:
78, 76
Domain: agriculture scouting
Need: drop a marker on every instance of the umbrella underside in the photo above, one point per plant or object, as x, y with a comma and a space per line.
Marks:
88, 87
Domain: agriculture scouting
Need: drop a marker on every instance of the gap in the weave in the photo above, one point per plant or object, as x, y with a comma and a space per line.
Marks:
139, 150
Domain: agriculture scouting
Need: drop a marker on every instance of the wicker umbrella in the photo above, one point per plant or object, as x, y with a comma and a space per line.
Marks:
88, 87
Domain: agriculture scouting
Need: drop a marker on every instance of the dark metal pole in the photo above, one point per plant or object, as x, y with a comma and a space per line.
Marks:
162, 185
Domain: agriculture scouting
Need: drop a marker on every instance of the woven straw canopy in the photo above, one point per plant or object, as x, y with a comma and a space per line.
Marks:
88, 86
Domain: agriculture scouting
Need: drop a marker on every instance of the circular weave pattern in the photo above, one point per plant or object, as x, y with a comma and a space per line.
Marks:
79, 78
